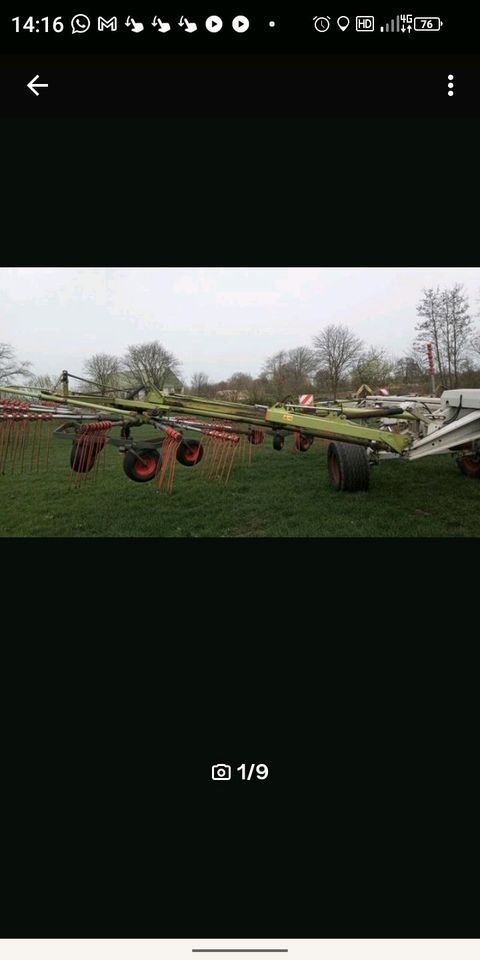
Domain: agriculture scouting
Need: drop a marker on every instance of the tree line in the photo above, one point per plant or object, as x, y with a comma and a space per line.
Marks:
335, 361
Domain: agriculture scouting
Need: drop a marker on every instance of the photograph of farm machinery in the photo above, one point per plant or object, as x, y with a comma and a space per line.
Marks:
211, 434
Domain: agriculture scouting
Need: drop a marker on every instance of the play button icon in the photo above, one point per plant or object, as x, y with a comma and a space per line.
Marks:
240, 24
214, 24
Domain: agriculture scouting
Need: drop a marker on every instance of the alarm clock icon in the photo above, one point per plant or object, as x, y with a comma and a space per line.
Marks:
322, 24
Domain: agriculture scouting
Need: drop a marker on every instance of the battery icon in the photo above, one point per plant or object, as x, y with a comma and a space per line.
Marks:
427, 24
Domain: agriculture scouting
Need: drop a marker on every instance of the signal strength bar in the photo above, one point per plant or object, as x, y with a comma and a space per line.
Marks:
392, 27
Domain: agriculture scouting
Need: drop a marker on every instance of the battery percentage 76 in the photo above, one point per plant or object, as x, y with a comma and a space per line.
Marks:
427, 24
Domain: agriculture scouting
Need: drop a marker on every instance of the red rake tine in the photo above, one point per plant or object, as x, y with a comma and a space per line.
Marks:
221, 449
32, 442
2, 439
167, 447
3, 436
83, 450
213, 453
167, 452
207, 451
7, 441
92, 447
232, 458
97, 437
206, 447
216, 446
100, 445
49, 437
76, 459
223, 457
39, 440
16, 439
173, 466
25, 433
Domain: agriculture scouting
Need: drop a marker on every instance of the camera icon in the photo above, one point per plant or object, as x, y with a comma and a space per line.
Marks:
221, 771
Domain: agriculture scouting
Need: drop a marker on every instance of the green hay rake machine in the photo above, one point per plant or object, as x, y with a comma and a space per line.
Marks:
360, 432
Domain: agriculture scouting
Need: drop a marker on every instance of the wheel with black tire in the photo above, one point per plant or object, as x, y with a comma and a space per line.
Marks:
83, 457
348, 467
143, 465
255, 437
303, 442
190, 452
470, 466
278, 441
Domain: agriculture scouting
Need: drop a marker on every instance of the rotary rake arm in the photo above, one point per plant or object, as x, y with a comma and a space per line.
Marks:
224, 430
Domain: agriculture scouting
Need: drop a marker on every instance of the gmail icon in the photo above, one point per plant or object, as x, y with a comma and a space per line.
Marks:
104, 24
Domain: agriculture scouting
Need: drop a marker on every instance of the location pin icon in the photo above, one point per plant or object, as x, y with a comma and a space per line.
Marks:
343, 22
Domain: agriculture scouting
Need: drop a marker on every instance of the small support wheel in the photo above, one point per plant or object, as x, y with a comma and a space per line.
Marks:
303, 442
190, 452
348, 466
470, 466
278, 441
144, 469
255, 437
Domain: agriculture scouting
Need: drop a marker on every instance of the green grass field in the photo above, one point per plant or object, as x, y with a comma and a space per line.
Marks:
282, 494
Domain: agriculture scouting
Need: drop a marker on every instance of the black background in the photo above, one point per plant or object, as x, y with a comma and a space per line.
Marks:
280, 86
130, 676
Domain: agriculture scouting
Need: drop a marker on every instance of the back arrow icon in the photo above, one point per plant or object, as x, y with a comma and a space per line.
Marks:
33, 85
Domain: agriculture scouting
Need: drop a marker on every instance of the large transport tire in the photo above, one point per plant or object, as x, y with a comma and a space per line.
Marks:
142, 472
190, 452
278, 441
82, 461
470, 466
348, 467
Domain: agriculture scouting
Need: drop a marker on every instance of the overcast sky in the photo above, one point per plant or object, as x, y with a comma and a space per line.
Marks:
215, 320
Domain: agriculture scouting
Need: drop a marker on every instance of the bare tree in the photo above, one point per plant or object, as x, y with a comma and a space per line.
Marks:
290, 372
336, 350
445, 320
457, 326
429, 327
412, 368
276, 370
259, 391
373, 367
475, 343
44, 381
238, 385
302, 363
200, 385
150, 364
10, 367
103, 369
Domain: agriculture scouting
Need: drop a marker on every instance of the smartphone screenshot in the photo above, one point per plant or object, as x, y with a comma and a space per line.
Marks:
239, 394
